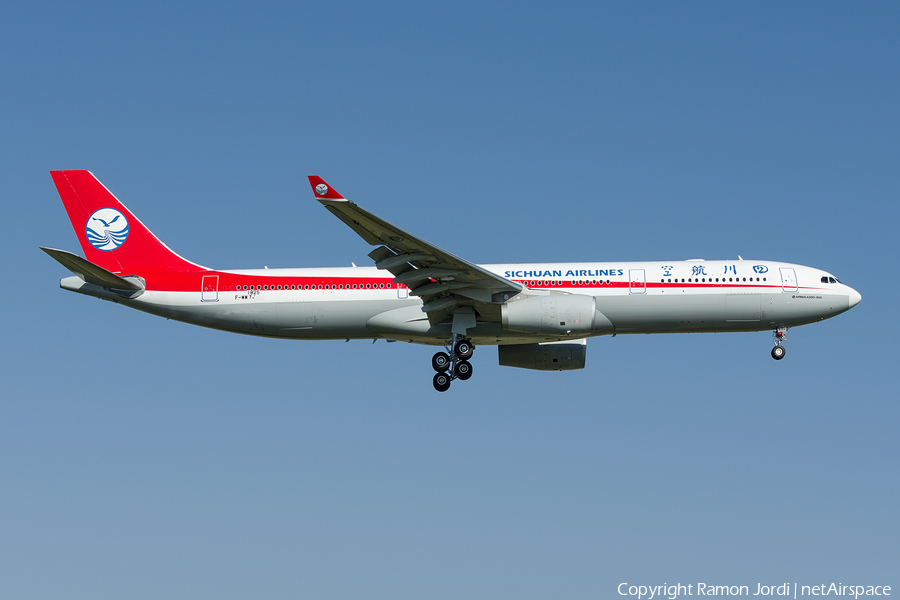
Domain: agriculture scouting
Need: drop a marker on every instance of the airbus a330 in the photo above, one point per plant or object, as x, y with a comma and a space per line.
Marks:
539, 315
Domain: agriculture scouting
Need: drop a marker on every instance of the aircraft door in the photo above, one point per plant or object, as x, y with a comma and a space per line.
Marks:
402, 291
788, 279
636, 282
209, 288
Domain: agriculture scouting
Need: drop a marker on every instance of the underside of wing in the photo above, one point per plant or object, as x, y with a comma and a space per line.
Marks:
447, 284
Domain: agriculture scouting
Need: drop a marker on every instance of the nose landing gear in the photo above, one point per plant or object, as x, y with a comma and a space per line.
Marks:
453, 364
779, 351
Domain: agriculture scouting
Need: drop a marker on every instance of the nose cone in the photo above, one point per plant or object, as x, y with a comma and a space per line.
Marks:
855, 297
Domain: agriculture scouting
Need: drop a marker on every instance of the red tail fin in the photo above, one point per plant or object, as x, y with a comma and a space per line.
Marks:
110, 235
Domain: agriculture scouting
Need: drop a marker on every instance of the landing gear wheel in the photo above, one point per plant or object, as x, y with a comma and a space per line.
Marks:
441, 382
778, 352
464, 349
440, 362
463, 370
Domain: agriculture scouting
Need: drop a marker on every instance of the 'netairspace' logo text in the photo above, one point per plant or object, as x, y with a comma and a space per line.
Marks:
784, 589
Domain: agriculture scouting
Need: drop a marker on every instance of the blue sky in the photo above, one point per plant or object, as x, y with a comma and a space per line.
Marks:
145, 458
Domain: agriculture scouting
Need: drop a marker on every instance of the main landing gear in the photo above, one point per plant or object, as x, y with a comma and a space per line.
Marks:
454, 365
778, 351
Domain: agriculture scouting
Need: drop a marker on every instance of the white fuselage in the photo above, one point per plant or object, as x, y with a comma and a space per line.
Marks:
363, 302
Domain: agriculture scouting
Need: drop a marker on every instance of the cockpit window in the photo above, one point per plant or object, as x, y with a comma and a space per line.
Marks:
828, 279
824, 280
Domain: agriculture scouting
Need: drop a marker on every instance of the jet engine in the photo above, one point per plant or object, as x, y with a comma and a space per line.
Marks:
556, 314
551, 356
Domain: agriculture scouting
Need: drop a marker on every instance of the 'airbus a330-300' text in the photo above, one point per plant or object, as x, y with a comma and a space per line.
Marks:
539, 315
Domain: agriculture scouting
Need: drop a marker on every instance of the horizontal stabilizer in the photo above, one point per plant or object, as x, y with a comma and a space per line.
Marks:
90, 272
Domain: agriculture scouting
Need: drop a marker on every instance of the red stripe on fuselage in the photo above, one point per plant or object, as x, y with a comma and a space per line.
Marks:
192, 281
636, 285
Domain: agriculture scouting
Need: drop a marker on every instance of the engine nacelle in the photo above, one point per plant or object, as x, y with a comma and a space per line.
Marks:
552, 356
556, 314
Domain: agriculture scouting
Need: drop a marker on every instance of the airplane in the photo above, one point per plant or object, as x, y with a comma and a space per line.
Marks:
538, 315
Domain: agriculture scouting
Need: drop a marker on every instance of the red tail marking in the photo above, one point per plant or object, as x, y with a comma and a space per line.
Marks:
83, 195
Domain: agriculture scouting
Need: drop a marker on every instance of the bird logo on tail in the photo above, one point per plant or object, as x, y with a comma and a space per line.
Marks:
106, 229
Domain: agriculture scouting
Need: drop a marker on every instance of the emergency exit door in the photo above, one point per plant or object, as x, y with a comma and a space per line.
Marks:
788, 279
209, 290
637, 284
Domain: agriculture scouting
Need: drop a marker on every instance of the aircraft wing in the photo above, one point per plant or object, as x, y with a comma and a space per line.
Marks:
442, 280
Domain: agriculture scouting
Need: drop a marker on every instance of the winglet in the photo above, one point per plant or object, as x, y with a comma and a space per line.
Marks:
322, 189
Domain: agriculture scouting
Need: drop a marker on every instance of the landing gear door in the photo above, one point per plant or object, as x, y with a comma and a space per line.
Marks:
788, 279
636, 282
209, 288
